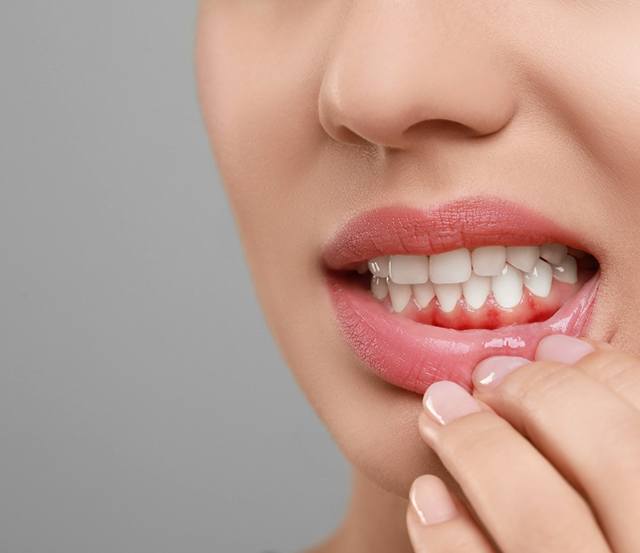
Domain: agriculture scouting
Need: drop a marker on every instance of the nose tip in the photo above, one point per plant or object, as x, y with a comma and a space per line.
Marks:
397, 116
396, 91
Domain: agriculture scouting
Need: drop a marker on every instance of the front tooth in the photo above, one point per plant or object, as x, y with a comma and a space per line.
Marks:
567, 271
409, 269
488, 260
448, 296
379, 266
553, 253
523, 257
450, 267
400, 295
423, 294
538, 281
507, 287
379, 287
476, 290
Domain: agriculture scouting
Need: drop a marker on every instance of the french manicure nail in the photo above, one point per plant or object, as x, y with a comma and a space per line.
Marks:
431, 500
562, 349
446, 401
490, 371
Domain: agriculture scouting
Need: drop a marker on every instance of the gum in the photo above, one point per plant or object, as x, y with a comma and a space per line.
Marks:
491, 316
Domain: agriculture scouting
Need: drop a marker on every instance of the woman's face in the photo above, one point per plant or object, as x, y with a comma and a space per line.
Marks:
352, 130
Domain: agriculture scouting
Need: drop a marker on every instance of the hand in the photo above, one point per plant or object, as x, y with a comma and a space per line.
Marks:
547, 454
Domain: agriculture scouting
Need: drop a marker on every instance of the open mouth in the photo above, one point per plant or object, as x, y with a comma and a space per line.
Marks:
425, 295
489, 287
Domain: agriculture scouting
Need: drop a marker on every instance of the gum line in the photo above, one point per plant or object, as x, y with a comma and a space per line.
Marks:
492, 316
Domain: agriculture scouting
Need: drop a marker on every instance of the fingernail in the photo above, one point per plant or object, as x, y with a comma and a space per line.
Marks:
431, 500
561, 348
490, 371
446, 401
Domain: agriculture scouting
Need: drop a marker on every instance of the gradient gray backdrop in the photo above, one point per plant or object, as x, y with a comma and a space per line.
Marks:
143, 406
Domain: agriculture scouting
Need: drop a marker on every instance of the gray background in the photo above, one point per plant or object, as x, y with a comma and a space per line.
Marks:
143, 406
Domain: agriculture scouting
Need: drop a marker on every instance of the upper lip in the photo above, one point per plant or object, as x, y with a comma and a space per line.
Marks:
468, 223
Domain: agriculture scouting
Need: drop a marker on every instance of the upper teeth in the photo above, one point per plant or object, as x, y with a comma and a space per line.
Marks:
410, 269
450, 267
489, 261
449, 276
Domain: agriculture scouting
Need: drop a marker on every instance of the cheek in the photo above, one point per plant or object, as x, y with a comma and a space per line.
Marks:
260, 106
581, 66
593, 82
605, 96
588, 79
605, 90
606, 108
257, 91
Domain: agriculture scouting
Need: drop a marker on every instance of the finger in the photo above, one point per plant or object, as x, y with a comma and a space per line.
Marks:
521, 499
583, 427
615, 369
439, 524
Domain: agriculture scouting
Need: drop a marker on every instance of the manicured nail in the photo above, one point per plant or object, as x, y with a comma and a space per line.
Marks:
446, 401
431, 500
562, 349
490, 371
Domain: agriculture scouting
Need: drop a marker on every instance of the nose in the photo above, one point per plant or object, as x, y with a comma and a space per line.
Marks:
400, 72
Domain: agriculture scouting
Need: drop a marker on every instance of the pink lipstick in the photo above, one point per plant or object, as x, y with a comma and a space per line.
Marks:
445, 340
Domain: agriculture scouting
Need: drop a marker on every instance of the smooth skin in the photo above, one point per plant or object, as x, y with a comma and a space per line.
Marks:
318, 110
548, 457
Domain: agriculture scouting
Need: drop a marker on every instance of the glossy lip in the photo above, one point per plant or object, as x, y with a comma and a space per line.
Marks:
466, 223
412, 355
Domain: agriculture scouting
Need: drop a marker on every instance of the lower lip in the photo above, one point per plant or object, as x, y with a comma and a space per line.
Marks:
412, 356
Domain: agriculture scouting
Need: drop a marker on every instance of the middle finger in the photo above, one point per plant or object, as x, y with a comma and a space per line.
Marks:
521, 499
583, 427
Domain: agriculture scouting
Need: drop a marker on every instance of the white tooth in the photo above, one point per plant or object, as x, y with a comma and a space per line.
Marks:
409, 269
362, 268
553, 253
379, 287
380, 266
488, 260
400, 295
476, 290
507, 287
423, 294
567, 271
448, 296
538, 281
523, 257
450, 267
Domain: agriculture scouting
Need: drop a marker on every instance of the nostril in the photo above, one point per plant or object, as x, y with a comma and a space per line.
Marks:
442, 127
345, 135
